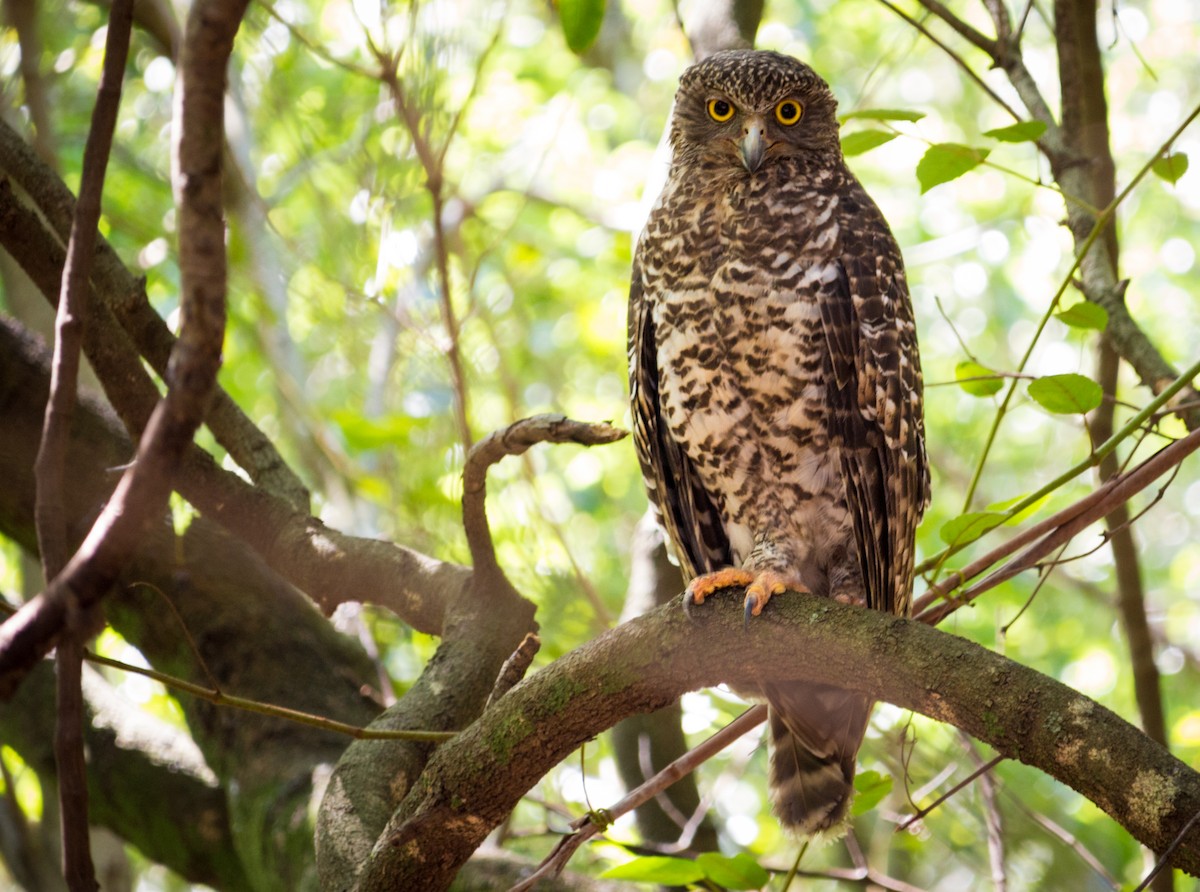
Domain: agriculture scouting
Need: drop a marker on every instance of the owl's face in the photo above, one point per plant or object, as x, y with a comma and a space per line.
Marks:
747, 109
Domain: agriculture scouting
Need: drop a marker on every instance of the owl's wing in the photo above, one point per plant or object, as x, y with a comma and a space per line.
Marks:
875, 415
682, 505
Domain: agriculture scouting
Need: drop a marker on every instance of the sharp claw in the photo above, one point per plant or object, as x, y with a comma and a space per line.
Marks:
751, 603
687, 604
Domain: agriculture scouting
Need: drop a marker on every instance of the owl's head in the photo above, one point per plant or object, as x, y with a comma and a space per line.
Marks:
750, 108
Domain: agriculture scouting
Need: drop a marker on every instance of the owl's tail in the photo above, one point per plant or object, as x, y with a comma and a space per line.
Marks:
816, 731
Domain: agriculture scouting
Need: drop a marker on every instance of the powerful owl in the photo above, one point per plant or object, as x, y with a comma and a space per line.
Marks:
776, 385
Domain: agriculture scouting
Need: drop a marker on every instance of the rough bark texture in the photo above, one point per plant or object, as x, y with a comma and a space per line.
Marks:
473, 781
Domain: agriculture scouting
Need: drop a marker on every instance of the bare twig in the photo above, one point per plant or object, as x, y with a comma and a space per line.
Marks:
431, 161
595, 822
515, 667
991, 817
1066, 838
974, 37
982, 769
949, 51
1166, 855
1054, 530
999, 13
218, 697
515, 440
1006, 55
50, 466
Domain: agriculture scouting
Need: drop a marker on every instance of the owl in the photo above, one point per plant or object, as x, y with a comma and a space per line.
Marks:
776, 386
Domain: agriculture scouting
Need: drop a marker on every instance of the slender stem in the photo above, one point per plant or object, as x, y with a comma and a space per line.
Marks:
595, 822
959, 60
1090, 462
220, 698
50, 465
1102, 221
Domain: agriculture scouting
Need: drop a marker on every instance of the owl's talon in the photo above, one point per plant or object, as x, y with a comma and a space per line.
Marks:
751, 604
760, 588
705, 584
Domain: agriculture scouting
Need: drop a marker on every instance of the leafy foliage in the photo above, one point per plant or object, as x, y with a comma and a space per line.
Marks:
1171, 166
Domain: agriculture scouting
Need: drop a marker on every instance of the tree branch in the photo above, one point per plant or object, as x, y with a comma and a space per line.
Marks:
50, 467
516, 439
332, 567
142, 493
473, 781
123, 304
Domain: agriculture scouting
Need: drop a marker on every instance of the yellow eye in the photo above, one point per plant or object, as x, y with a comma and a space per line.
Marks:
720, 110
789, 112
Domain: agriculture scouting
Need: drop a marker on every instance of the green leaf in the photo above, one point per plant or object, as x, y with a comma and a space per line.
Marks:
1027, 511
864, 140
969, 527
1084, 314
1170, 167
947, 161
870, 788
1023, 131
976, 379
657, 869
883, 114
1066, 394
581, 20
739, 872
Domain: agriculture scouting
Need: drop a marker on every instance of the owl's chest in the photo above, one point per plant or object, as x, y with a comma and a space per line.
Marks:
736, 284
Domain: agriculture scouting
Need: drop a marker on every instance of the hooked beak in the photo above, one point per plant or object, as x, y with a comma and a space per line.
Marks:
752, 144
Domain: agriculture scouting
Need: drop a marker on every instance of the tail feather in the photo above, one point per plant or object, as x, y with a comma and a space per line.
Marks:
816, 731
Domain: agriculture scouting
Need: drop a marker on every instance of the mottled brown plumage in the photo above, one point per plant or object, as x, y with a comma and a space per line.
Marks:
776, 385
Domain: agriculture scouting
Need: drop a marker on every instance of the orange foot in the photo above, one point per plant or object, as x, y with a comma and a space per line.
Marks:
760, 587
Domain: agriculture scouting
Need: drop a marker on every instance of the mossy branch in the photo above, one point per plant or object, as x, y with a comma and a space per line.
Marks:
475, 780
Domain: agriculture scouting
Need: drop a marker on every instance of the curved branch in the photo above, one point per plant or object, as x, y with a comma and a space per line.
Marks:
516, 439
649, 661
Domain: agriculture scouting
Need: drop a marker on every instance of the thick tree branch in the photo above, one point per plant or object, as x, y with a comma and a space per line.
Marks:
124, 306
473, 781
212, 586
330, 566
485, 623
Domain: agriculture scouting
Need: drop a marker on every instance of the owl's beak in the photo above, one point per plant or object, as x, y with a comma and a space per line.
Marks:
752, 144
